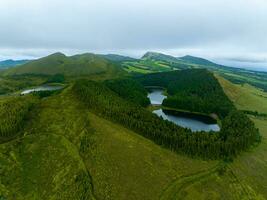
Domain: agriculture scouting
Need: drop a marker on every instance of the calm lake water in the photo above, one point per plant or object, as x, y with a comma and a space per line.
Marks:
156, 98
41, 88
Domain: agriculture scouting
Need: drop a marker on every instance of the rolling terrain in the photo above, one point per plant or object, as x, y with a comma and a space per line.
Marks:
57, 128
12, 63
58, 63
65, 149
58, 66
244, 178
158, 62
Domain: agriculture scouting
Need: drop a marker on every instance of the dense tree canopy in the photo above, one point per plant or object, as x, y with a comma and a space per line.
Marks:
13, 113
194, 90
57, 78
129, 89
104, 102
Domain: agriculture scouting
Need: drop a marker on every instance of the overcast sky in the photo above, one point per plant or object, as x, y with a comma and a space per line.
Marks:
232, 31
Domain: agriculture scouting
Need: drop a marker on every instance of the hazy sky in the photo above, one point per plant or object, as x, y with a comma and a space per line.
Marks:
227, 30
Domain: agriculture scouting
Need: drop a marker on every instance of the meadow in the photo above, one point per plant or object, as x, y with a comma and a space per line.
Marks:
66, 151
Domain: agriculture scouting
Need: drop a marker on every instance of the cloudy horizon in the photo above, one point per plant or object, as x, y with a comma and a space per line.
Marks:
230, 32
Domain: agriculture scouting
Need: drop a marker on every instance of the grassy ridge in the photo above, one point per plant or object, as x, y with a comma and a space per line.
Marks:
245, 97
74, 144
58, 63
46, 162
49, 162
125, 165
13, 113
43, 167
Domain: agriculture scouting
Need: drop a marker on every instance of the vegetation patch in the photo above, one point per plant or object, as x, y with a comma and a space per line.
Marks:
13, 113
195, 90
129, 89
106, 103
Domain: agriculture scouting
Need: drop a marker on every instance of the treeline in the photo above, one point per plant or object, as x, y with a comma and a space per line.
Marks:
13, 113
254, 113
57, 78
45, 93
193, 90
230, 141
129, 89
161, 79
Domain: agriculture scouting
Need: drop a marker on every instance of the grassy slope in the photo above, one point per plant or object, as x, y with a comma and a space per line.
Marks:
45, 163
251, 167
245, 178
78, 65
146, 66
125, 165
153, 62
122, 164
245, 97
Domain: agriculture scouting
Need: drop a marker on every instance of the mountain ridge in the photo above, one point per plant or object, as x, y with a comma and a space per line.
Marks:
59, 63
197, 60
12, 63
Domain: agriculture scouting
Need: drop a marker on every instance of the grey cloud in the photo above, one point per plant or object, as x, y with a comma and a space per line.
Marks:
212, 28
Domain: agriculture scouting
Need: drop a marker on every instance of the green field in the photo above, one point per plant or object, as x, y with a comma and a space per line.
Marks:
67, 152
245, 97
245, 177
51, 142
157, 62
77, 65
146, 66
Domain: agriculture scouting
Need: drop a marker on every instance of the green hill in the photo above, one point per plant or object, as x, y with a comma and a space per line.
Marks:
118, 58
197, 60
58, 63
157, 62
93, 141
12, 63
159, 57
190, 60
66, 150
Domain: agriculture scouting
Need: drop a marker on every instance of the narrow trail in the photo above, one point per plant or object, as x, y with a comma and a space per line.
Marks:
172, 190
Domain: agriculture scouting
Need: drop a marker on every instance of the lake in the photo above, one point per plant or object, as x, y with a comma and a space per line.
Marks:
41, 88
156, 96
192, 121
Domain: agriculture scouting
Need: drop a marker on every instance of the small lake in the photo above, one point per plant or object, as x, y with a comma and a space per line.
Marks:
186, 122
41, 88
194, 122
156, 96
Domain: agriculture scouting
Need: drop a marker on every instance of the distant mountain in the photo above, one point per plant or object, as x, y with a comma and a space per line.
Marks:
118, 58
182, 60
197, 60
11, 63
58, 63
159, 57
